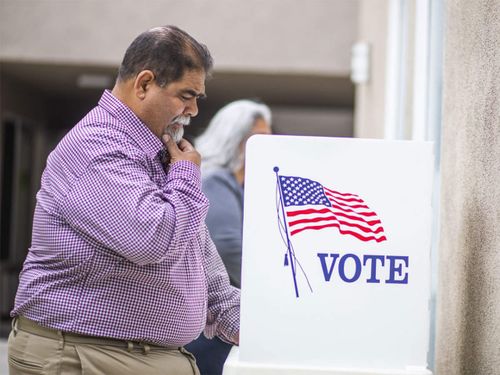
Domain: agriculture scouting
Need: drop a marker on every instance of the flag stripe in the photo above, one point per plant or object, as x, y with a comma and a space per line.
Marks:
333, 199
328, 210
369, 214
343, 194
333, 218
357, 235
307, 211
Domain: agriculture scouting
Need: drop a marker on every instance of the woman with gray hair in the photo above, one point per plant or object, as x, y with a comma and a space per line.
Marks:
222, 144
222, 149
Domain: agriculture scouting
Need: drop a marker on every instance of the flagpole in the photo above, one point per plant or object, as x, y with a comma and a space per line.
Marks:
276, 169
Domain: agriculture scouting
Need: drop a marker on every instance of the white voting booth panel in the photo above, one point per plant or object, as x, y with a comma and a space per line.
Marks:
336, 257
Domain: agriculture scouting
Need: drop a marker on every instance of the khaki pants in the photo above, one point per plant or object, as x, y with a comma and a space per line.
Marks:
33, 349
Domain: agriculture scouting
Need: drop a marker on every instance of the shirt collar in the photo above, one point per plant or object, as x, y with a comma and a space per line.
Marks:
132, 125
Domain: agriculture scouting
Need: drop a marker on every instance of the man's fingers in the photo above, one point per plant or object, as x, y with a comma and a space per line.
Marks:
185, 146
165, 138
181, 151
169, 144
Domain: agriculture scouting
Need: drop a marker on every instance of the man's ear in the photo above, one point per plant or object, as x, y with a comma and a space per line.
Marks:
142, 83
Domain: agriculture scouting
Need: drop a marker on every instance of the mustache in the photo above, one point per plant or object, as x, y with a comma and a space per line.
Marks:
182, 120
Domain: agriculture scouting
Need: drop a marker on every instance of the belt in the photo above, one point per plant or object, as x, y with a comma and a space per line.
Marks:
28, 325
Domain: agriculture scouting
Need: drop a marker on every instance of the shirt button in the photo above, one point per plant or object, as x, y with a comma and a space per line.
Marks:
168, 191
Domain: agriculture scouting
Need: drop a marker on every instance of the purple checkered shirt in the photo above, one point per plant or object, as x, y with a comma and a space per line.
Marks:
120, 248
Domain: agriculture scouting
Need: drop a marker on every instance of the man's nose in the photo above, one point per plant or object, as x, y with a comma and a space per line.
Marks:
191, 108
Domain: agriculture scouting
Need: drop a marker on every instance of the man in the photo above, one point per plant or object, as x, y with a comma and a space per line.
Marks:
122, 271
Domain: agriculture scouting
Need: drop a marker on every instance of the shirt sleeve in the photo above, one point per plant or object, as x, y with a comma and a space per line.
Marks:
116, 204
223, 312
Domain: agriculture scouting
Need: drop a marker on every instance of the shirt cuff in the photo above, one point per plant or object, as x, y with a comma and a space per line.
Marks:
184, 170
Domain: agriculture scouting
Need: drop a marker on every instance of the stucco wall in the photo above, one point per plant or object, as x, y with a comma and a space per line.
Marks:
258, 35
468, 310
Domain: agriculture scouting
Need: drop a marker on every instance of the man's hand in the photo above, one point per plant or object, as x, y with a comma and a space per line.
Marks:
182, 151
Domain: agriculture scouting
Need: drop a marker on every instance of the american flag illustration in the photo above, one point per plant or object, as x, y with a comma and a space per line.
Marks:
309, 205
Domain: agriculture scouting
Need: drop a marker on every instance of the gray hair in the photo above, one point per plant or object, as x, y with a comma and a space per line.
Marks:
232, 124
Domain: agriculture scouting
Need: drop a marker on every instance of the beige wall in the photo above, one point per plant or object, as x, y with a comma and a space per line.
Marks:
370, 96
468, 325
258, 35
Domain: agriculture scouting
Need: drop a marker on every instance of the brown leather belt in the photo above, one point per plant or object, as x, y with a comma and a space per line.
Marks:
27, 325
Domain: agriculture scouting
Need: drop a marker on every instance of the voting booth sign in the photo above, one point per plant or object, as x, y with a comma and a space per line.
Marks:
336, 257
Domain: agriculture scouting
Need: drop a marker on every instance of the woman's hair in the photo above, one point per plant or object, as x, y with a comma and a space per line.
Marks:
168, 52
232, 124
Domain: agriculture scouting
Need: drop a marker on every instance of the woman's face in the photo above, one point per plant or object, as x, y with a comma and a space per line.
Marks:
260, 126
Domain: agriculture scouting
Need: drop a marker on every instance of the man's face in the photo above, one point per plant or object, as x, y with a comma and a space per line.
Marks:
168, 109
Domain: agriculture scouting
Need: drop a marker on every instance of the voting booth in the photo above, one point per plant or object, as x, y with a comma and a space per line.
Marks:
336, 257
